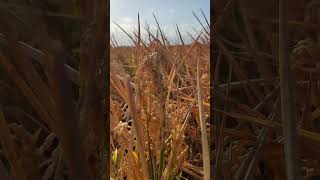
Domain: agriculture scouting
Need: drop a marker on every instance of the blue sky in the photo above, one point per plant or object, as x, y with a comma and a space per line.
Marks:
168, 13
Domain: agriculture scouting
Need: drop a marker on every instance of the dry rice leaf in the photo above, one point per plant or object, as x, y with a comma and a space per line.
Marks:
188, 171
10, 149
25, 89
4, 174
315, 114
51, 169
36, 135
29, 152
58, 175
267, 123
47, 143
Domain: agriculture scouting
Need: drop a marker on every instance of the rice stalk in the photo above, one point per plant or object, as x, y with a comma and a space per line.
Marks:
137, 129
204, 138
287, 98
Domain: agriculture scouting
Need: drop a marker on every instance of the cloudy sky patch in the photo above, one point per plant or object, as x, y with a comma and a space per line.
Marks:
168, 12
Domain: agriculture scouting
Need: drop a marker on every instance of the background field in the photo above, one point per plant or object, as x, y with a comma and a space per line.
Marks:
154, 107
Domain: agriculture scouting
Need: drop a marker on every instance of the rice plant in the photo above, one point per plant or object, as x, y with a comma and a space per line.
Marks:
159, 107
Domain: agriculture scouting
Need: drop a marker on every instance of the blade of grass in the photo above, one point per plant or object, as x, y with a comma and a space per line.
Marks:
134, 42
159, 28
137, 128
267, 123
287, 98
208, 24
204, 28
220, 147
204, 137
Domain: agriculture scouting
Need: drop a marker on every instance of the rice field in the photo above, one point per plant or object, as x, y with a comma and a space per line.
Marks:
266, 90
159, 108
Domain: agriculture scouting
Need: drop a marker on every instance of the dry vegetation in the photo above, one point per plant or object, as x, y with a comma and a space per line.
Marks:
247, 90
53, 110
155, 122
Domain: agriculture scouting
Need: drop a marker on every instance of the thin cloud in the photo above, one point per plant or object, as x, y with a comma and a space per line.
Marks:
172, 11
126, 20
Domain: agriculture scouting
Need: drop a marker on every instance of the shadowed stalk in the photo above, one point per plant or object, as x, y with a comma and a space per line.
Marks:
204, 137
287, 98
68, 128
220, 148
39, 56
261, 140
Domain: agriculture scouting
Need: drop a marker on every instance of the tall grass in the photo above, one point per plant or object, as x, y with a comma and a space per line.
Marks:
159, 114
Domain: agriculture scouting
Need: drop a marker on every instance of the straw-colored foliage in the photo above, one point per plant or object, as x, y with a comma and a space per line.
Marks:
153, 100
250, 131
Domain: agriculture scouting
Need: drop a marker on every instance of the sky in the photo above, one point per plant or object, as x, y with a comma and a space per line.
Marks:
168, 12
